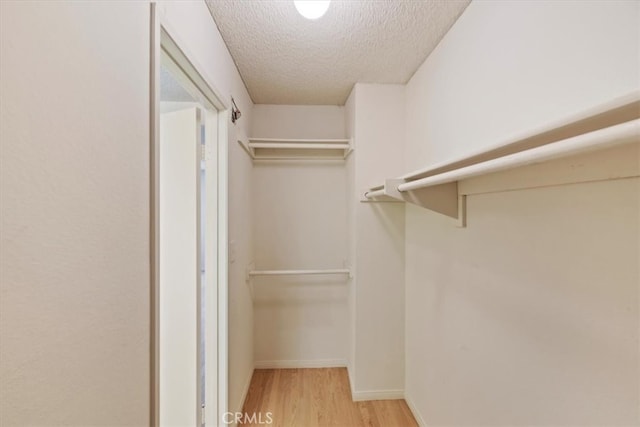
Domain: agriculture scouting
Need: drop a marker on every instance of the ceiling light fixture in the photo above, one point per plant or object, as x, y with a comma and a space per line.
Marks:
312, 9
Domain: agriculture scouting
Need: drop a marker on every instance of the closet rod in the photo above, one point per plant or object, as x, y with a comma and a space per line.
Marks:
610, 113
373, 194
296, 272
599, 139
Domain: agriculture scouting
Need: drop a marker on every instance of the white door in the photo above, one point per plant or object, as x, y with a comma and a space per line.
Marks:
179, 357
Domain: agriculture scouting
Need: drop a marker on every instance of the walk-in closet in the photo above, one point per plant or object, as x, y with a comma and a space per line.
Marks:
313, 213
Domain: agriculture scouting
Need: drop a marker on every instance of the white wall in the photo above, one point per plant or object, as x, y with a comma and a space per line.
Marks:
197, 30
300, 222
529, 316
75, 213
376, 365
508, 66
298, 121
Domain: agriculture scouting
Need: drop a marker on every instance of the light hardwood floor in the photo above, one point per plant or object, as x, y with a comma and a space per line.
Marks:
318, 397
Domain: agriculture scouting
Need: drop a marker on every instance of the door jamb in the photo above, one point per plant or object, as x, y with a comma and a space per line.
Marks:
163, 36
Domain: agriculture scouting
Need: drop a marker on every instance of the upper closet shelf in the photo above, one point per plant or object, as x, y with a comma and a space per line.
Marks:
297, 149
608, 125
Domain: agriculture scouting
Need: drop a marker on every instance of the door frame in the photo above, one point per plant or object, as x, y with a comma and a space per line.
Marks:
164, 37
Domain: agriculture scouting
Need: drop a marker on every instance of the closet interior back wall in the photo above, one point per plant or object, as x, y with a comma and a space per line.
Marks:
300, 223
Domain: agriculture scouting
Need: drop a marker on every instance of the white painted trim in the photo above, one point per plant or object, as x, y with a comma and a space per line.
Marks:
165, 37
350, 375
154, 211
223, 263
416, 414
245, 391
174, 45
211, 265
243, 397
292, 364
358, 396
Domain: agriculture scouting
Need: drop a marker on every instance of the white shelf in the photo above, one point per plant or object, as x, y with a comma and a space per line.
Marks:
435, 187
297, 149
251, 273
298, 272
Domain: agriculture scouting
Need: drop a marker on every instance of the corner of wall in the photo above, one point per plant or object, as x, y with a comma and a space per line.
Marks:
377, 231
414, 410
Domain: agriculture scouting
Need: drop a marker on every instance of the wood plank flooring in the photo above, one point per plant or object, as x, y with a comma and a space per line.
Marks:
317, 397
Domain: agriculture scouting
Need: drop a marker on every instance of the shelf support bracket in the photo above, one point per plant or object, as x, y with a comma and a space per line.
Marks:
462, 211
443, 198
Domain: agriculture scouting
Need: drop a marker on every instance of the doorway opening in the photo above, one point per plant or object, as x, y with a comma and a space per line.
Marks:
189, 274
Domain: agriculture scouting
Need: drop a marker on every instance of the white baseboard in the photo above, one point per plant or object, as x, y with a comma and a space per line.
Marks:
284, 364
243, 397
245, 391
358, 396
350, 375
415, 412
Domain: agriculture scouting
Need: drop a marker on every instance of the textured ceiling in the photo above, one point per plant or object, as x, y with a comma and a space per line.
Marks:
287, 59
